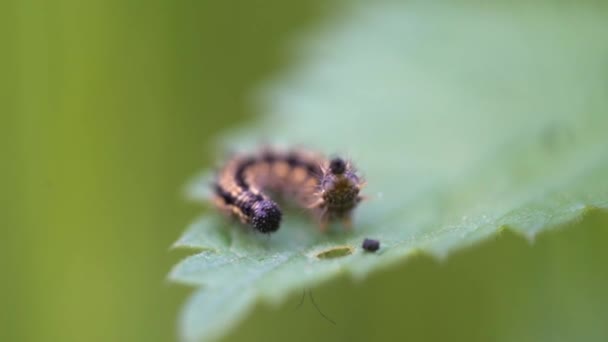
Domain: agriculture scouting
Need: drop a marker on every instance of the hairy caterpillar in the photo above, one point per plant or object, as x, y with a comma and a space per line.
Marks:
329, 188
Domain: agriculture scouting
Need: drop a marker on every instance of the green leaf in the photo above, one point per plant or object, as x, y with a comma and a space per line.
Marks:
465, 119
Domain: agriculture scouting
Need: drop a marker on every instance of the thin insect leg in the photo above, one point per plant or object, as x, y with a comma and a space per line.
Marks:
301, 300
323, 219
319, 310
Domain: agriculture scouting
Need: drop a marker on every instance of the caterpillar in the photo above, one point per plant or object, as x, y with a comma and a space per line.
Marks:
328, 187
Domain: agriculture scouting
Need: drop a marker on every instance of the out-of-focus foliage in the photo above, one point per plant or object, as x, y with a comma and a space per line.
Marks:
106, 107
464, 118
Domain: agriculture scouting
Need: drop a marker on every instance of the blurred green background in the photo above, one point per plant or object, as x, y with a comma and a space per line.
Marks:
107, 109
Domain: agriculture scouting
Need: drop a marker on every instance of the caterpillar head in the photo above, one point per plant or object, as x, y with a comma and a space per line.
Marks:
339, 190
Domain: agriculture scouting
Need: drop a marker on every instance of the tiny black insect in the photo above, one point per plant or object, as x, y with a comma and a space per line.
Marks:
371, 245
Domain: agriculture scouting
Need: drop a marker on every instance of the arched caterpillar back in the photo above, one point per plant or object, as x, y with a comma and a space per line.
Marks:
329, 188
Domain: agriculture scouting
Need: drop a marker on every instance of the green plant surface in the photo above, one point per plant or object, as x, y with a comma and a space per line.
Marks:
503, 289
464, 119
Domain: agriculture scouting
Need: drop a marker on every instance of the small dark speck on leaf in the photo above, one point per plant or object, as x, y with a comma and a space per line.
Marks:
371, 245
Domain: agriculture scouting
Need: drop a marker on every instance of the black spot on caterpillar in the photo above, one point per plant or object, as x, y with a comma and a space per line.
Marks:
329, 188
